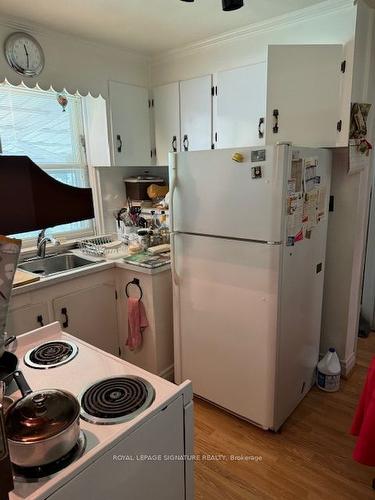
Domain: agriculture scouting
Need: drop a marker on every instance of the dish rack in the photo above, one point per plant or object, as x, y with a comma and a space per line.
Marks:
106, 246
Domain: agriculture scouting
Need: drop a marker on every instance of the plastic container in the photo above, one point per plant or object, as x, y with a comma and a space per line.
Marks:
329, 372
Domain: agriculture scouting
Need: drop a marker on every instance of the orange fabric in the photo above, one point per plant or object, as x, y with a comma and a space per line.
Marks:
363, 424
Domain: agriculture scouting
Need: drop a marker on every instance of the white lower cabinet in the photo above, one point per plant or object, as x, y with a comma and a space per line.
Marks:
90, 314
156, 352
28, 317
94, 309
84, 306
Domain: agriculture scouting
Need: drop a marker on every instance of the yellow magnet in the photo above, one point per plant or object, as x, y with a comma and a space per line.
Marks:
238, 157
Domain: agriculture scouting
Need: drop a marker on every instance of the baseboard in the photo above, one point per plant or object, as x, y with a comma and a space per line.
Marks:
168, 373
347, 365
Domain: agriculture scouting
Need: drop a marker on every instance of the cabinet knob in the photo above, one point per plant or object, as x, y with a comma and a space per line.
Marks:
119, 143
174, 144
275, 114
64, 312
261, 128
186, 143
39, 320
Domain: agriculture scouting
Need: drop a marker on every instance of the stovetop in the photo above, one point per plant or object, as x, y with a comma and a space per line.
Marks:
89, 366
51, 354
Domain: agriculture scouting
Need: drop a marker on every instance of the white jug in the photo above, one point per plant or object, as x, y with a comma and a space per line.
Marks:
329, 372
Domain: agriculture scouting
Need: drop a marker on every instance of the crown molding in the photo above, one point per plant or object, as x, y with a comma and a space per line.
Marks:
19, 24
321, 9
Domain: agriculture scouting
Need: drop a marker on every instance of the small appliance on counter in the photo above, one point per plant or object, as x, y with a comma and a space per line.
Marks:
136, 186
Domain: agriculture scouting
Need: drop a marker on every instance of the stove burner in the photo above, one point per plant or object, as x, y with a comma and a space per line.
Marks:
51, 354
116, 399
34, 474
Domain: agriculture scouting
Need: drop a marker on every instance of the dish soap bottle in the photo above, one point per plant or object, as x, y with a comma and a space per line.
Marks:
329, 372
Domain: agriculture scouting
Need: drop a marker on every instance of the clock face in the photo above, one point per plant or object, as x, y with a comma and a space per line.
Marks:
24, 54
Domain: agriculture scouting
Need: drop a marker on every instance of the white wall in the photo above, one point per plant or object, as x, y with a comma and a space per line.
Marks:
333, 23
75, 64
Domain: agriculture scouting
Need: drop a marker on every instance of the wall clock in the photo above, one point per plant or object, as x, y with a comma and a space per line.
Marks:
24, 54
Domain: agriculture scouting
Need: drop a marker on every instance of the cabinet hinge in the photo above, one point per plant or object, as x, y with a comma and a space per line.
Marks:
215, 136
119, 351
150, 103
339, 126
155, 152
212, 91
216, 90
343, 66
212, 146
116, 295
83, 142
151, 153
331, 203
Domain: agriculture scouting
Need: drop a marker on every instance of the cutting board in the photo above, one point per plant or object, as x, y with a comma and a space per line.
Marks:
24, 277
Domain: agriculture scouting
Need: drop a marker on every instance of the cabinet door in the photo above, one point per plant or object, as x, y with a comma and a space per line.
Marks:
167, 121
130, 124
196, 113
27, 318
241, 107
90, 315
303, 94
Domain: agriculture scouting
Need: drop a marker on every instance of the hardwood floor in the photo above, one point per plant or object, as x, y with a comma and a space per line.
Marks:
309, 459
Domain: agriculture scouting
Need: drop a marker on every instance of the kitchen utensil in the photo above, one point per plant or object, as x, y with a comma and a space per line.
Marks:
6, 483
42, 426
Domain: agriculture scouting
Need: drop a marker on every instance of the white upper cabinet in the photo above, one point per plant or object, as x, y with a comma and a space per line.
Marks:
241, 106
167, 121
196, 113
303, 94
130, 125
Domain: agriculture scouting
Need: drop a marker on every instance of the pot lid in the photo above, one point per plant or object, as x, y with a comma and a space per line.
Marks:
41, 415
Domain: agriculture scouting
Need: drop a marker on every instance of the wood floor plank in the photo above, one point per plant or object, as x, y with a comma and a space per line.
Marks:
310, 459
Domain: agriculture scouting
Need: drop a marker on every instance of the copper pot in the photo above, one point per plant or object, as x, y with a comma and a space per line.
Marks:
42, 426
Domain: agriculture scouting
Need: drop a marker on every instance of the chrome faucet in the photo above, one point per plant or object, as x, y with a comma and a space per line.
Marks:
42, 242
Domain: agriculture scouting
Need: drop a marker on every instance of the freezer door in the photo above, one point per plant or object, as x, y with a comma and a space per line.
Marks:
216, 195
225, 310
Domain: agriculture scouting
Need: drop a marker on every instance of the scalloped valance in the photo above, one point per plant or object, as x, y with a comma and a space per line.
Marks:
40, 83
75, 65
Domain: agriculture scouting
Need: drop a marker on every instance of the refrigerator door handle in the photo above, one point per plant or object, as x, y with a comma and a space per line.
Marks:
173, 182
175, 277
173, 185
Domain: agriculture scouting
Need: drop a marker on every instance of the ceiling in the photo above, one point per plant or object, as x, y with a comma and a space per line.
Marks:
148, 26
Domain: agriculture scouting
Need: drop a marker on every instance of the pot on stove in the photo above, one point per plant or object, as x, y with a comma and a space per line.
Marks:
42, 426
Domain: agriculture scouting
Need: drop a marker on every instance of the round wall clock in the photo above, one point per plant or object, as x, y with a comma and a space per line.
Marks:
24, 54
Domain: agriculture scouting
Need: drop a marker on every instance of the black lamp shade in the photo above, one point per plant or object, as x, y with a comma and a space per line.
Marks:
30, 199
232, 4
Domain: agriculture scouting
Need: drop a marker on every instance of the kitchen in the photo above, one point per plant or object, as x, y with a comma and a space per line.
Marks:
234, 84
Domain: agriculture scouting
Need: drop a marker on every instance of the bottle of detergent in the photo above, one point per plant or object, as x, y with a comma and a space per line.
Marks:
329, 372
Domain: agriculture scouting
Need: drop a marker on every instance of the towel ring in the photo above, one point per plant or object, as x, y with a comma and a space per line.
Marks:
135, 282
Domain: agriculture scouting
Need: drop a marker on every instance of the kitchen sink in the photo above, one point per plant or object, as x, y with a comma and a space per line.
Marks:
56, 264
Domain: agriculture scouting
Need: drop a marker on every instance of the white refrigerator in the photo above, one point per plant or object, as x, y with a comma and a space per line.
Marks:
248, 257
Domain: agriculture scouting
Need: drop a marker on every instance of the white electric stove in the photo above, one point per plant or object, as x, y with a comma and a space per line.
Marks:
139, 447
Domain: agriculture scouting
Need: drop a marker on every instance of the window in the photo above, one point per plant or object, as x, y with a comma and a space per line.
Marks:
33, 123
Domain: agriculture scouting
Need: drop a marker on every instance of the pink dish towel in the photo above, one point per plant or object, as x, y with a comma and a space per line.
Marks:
137, 322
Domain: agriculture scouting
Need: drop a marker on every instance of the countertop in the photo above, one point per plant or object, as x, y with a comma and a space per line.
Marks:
100, 265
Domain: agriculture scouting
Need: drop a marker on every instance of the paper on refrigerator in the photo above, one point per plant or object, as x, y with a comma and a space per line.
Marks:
294, 219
